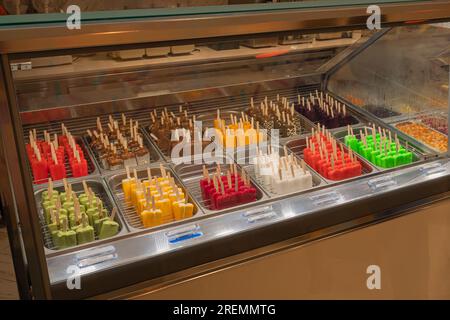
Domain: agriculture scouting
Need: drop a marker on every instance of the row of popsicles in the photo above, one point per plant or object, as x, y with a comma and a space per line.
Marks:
329, 158
278, 114
281, 175
119, 144
75, 219
238, 132
325, 110
48, 157
167, 129
378, 147
157, 199
226, 190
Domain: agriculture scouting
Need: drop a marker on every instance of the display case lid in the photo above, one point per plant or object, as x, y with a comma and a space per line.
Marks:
108, 28
31, 20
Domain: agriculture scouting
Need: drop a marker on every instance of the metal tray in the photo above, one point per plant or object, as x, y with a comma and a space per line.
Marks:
417, 141
100, 190
155, 157
92, 168
433, 114
207, 122
191, 174
417, 155
375, 111
298, 145
349, 110
245, 162
132, 220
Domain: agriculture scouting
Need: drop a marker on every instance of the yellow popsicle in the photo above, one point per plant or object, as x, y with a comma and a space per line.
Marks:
151, 218
126, 187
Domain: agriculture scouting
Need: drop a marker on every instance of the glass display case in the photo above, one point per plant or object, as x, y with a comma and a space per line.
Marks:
317, 125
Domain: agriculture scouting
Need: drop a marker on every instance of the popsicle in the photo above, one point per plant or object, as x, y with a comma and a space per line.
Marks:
126, 185
56, 166
84, 233
75, 213
328, 157
109, 228
151, 216
378, 148
66, 238
100, 216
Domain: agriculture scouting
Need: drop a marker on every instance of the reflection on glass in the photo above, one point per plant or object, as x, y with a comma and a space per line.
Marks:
404, 72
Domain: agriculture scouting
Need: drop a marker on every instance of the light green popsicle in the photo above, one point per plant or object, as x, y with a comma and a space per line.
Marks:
109, 228
85, 233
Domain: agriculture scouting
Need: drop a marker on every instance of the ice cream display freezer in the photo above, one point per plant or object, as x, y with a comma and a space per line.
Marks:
291, 144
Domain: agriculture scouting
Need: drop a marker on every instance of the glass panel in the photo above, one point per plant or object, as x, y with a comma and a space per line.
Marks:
402, 78
128, 74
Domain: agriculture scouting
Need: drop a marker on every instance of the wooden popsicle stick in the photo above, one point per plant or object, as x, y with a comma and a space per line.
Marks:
153, 203
163, 171
69, 192
53, 216
215, 183
76, 205
222, 188
113, 214
52, 150
127, 168
38, 154
204, 172
219, 170
65, 225
65, 185
229, 179
149, 174
99, 205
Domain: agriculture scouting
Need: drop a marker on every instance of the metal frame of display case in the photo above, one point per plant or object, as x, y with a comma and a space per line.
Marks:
293, 216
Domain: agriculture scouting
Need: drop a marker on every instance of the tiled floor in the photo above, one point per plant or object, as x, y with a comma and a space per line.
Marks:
8, 288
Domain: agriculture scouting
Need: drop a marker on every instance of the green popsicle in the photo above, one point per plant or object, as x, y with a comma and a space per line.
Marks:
53, 225
109, 228
66, 238
99, 217
47, 211
85, 233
